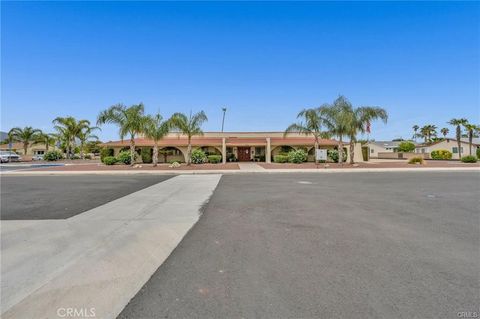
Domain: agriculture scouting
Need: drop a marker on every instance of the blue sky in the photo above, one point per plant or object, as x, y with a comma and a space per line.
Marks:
263, 61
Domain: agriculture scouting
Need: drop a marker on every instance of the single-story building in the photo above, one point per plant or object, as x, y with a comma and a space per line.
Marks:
449, 144
33, 149
376, 147
241, 146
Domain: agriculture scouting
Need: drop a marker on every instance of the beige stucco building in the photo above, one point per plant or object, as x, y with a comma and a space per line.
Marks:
33, 149
241, 146
448, 144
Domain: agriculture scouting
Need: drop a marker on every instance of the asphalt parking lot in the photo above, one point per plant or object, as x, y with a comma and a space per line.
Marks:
59, 197
360, 245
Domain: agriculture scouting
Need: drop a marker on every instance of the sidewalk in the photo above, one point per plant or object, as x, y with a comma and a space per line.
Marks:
98, 259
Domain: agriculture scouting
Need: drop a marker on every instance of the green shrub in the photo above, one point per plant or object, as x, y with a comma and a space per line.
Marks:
441, 155
280, 158
109, 160
469, 159
478, 153
198, 156
146, 155
333, 155
124, 157
406, 147
214, 159
88, 157
52, 155
297, 156
416, 160
104, 152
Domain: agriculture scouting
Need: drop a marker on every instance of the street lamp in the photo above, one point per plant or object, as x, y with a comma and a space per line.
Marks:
224, 109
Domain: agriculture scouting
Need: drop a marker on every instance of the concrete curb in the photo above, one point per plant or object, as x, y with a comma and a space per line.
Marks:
266, 171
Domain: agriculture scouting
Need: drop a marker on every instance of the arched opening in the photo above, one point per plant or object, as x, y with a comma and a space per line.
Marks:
211, 150
170, 154
281, 150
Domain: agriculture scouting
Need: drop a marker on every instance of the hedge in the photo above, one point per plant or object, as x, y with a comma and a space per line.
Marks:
469, 159
441, 155
198, 156
280, 158
104, 152
52, 155
297, 156
214, 159
109, 160
416, 160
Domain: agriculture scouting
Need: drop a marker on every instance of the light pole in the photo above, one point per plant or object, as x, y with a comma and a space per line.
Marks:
224, 109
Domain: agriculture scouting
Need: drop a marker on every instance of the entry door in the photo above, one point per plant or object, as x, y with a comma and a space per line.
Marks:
243, 154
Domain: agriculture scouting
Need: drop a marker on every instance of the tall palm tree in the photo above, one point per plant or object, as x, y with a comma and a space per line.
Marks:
68, 130
337, 119
28, 135
130, 121
427, 131
47, 139
444, 131
360, 120
415, 130
458, 132
471, 130
156, 129
310, 125
85, 135
190, 126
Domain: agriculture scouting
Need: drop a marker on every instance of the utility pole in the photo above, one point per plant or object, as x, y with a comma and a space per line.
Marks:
224, 109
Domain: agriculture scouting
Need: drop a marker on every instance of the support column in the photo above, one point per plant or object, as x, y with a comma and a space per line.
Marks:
224, 151
268, 152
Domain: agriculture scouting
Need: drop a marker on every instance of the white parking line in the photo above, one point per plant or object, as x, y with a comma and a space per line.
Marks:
101, 258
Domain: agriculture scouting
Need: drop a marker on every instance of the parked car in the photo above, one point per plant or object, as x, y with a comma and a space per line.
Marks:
37, 157
8, 156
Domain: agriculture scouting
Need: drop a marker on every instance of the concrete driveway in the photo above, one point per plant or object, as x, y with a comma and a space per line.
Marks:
365, 245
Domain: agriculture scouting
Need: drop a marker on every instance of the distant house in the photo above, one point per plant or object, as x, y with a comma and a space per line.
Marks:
33, 149
449, 144
382, 147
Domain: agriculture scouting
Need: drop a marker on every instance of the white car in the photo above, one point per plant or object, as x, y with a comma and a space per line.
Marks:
8, 156
37, 157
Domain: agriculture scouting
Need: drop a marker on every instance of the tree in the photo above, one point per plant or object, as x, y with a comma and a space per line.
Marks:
156, 129
337, 120
28, 135
47, 139
190, 126
427, 131
406, 147
361, 118
85, 135
415, 130
310, 125
342, 119
458, 132
444, 131
471, 130
130, 121
68, 130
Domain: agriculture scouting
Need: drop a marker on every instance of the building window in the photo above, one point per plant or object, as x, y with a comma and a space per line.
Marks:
371, 151
455, 150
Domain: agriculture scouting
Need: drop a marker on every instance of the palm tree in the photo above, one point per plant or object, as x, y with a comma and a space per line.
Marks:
68, 130
25, 136
458, 132
190, 126
471, 130
427, 131
415, 130
361, 118
47, 139
84, 136
156, 129
311, 125
130, 121
444, 131
337, 119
